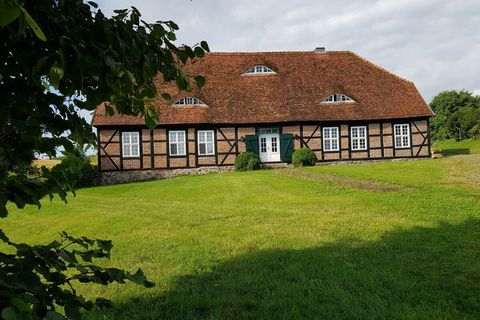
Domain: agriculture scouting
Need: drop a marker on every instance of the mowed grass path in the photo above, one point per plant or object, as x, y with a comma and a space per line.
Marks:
396, 240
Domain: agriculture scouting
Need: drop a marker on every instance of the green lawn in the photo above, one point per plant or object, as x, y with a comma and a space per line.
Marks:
379, 240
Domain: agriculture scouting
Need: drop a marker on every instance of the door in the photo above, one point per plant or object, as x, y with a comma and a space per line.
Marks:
269, 148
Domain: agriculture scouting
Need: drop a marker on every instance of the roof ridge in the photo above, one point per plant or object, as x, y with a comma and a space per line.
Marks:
379, 67
277, 52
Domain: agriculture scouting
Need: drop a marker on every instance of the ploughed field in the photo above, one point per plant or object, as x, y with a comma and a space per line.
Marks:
368, 240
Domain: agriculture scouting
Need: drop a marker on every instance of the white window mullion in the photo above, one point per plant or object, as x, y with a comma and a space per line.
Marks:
177, 143
130, 144
330, 139
205, 142
402, 135
358, 138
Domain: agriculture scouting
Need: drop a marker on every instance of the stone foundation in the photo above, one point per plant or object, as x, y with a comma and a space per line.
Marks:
116, 177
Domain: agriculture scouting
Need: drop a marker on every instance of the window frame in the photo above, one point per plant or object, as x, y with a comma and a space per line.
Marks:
268, 130
407, 135
258, 69
189, 101
206, 142
177, 143
130, 145
337, 98
330, 139
358, 139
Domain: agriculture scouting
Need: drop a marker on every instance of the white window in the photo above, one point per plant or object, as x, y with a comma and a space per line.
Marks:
402, 135
177, 143
267, 130
130, 144
259, 70
189, 101
263, 144
337, 97
358, 136
205, 142
330, 139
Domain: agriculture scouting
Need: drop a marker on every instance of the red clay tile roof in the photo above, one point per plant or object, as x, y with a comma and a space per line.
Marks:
294, 93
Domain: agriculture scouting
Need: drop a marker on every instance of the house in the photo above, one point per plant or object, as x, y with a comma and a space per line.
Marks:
338, 104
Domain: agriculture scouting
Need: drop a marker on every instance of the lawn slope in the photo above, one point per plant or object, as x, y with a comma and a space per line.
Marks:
368, 240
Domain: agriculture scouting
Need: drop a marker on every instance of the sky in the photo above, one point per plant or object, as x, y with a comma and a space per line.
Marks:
434, 43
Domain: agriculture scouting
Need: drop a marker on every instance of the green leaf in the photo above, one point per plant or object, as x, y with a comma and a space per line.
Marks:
166, 96
204, 45
103, 303
151, 118
53, 315
181, 80
33, 25
171, 36
9, 313
72, 310
200, 80
56, 74
10, 11
173, 25
105, 245
21, 306
93, 4
109, 110
199, 52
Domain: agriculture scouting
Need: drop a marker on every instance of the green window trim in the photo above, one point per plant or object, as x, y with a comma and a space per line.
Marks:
286, 147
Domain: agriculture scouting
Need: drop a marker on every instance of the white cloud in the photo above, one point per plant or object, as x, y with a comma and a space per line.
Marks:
434, 43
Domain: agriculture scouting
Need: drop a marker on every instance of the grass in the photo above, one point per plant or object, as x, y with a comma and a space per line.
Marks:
370, 240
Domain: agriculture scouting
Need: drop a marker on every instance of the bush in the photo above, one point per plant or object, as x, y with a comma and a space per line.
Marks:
304, 157
88, 171
247, 161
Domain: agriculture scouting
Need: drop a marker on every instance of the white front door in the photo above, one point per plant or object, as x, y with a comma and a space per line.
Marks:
269, 147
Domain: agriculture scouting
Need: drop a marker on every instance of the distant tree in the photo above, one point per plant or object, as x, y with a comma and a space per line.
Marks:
456, 114
58, 57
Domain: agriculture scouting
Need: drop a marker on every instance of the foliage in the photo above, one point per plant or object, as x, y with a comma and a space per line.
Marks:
88, 172
59, 57
247, 248
304, 157
457, 115
37, 280
247, 161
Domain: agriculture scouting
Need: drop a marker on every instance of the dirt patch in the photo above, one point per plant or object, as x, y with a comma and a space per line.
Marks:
365, 185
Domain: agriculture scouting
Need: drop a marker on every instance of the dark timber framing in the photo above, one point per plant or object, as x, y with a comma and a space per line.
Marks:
228, 138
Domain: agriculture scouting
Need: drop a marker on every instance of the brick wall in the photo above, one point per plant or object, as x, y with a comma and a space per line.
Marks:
228, 143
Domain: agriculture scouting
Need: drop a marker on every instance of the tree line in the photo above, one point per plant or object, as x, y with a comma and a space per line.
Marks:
457, 115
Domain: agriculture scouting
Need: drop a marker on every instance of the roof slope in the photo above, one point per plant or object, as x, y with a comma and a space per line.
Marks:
294, 93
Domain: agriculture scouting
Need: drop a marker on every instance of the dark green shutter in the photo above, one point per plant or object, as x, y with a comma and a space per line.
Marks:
251, 143
286, 147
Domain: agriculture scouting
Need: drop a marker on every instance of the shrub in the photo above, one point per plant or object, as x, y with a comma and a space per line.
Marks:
88, 171
303, 157
247, 161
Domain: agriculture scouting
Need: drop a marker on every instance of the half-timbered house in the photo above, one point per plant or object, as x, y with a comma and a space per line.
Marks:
338, 104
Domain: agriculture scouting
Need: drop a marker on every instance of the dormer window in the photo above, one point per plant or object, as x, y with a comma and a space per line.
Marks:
259, 70
189, 102
337, 97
